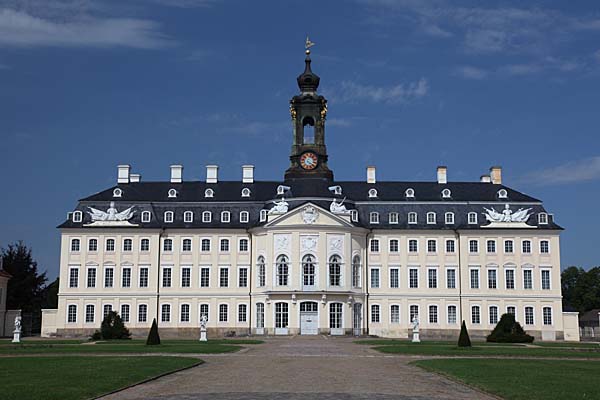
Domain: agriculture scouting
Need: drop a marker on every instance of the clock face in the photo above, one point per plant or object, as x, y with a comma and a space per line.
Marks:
308, 160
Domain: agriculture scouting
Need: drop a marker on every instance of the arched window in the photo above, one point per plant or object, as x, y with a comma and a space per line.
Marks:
356, 272
282, 267
145, 245
110, 244
374, 217
410, 193
449, 218
244, 217
446, 193
225, 216
263, 215
186, 245
431, 218
188, 217
308, 270
77, 216
372, 192
245, 192
502, 194
262, 271
335, 271
75, 244
412, 218
168, 216
172, 193
93, 245
168, 245
542, 218
127, 245
308, 127
146, 216
209, 193
206, 216
472, 218
117, 192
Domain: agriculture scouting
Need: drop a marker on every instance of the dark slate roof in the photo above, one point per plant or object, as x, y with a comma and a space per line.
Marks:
465, 197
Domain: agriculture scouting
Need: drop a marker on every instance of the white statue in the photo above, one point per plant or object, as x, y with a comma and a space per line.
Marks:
281, 207
17, 331
415, 329
111, 214
203, 321
338, 208
507, 215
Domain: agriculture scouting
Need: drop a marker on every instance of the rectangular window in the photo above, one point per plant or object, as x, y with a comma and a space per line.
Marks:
412, 218
165, 314
473, 246
127, 245
186, 277
413, 312
72, 314
204, 277
491, 246
431, 218
526, 246
394, 278
545, 279
168, 245
393, 245
508, 246
185, 313
125, 312
395, 314
224, 245
472, 218
474, 275
205, 246
224, 277
493, 315
242, 312
433, 314
93, 245
204, 311
142, 313
75, 244
413, 278
451, 314
432, 278
527, 279
243, 245
413, 246
450, 246
375, 245
91, 277
475, 315
145, 245
544, 247
529, 316
107, 309
547, 315
510, 278
375, 317
375, 278
511, 310
186, 245
393, 218
89, 313
451, 278
492, 279
166, 277
223, 313
110, 245
126, 277
73, 278
243, 277
374, 217
109, 276
431, 246
144, 277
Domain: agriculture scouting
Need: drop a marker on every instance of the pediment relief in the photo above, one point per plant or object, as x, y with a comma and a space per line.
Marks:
308, 215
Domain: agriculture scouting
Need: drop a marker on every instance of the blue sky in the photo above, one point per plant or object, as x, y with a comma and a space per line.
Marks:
86, 85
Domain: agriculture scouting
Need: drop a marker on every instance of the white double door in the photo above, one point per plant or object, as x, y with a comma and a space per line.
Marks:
309, 318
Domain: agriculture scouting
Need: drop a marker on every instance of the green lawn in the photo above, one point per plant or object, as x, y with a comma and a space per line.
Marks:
524, 379
481, 349
73, 378
126, 346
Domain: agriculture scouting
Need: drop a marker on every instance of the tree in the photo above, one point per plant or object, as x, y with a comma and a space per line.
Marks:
112, 328
508, 330
153, 337
463, 338
581, 289
50, 295
25, 288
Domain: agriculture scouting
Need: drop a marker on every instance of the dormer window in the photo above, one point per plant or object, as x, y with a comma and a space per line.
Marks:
337, 190
431, 217
77, 216
412, 218
245, 192
374, 217
209, 193
146, 216
188, 217
393, 218
172, 193
409, 193
502, 194
281, 190
446, 193
354, 215
225, 216
117, 192
263, 215
372, 192
206, 216
449, 218
472, 218
244, 217
168, 217
542, 218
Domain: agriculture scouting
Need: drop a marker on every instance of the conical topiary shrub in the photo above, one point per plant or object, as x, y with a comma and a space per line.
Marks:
463, 339
113, 327
508, 330
153, 337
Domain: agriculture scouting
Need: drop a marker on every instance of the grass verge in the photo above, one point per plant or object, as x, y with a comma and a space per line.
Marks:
75, 378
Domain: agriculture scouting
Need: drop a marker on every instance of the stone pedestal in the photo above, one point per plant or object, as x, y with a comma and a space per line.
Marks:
203, 335
16, 337
415, 338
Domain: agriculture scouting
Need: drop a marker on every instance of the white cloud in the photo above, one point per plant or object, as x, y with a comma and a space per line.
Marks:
521, 69
587, 169
596, 56
469, 72
351, 92
20, 29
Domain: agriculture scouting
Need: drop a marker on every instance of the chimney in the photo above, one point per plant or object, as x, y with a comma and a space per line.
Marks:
134, 178
371, 174
485, 179
211, 173
496, 175
176, 173
248, 173
123, 173
442, 174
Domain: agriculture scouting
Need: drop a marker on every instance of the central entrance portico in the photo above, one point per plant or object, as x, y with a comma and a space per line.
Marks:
309, 318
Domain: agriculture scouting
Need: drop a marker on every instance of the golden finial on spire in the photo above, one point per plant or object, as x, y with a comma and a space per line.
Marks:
308, 45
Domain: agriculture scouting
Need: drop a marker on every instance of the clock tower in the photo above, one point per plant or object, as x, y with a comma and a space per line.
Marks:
308, 158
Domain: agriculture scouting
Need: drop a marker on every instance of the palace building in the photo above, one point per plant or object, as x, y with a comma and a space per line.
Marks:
308, 254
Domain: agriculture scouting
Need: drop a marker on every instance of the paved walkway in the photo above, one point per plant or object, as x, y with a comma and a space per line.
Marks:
302, 368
